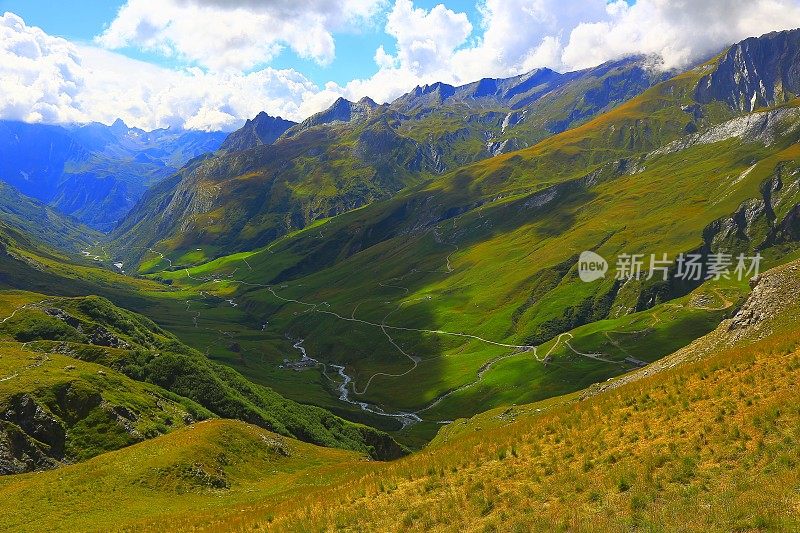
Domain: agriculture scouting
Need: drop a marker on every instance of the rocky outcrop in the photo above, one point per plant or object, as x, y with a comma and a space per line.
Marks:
763, 127
62, 315
771, 306
20, 453
760, 222
102, 337
44, 429
342, 110
95, 334
773, 294
36, 421
424, 98
31, 437
263, 129
757, 72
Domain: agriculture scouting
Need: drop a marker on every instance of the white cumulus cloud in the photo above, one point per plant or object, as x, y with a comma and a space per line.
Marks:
40, 76
680, 31
48, 79
520, 35
235, 34
516, 36
426, 41
191, 98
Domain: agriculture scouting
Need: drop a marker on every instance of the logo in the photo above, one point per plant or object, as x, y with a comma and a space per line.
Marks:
687, 267
591, 267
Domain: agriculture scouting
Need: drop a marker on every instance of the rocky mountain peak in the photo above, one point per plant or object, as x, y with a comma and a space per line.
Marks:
757, 72
342, 110
260, 130
119, 126
367, 102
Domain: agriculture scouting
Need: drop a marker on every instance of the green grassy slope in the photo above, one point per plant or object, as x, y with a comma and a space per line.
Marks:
245, 199
92, 329
40, 222
63, 315
56, 409
704, 444
242, 200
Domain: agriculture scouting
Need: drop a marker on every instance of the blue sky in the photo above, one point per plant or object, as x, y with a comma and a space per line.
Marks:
211, 64
82, 20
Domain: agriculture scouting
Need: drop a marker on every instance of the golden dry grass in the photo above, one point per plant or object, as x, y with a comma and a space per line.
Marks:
712, 446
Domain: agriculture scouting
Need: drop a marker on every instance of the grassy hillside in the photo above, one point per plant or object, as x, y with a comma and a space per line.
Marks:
355, 153
246, 199
207, 467
43, 223
92, 329
704, 440
56, 409
706, 447
145, 351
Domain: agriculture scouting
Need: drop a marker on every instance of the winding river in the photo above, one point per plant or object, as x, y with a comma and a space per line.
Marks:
405, 418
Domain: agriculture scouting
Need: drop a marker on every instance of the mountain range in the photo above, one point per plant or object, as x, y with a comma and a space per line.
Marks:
375, 318
355, 153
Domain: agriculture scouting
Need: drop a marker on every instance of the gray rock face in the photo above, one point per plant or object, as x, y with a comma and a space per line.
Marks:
341, 111
762, 127
20, 453
757, 72
516, 91
263, 129
759, 223
772, 294
63, 316
102, 337
37, 422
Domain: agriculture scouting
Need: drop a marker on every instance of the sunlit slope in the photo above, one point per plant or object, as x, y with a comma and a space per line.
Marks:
705, 440
199, 473
355, 153
245, 199
57, 410
142, 349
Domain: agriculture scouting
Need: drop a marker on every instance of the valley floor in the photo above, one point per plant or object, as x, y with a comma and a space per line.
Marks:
704, 440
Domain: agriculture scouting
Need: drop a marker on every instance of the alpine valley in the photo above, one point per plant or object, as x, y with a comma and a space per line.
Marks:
373, 319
